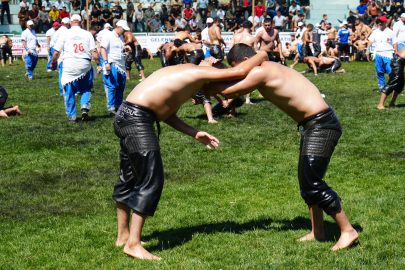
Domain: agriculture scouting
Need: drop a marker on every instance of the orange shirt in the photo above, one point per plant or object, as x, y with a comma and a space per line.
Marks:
373, 10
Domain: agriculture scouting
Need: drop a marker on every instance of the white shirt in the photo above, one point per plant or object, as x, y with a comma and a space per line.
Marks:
76, 43
298, 34
262, 18
47, 5
59, 5
257, 20
146, 3
114, 47
399, 32
84, 13
51, 33
61, 32
26, 5
221, 14
205, 36
101, 34
293, 9
30, 38
279, 21
382, 41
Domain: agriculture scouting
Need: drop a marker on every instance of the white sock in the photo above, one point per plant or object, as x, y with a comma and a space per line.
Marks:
248, 100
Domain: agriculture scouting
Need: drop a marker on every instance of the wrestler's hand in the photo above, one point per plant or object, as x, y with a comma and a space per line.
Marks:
212, 60
282, 58
99, 70
207, 139
195, 101
225, 104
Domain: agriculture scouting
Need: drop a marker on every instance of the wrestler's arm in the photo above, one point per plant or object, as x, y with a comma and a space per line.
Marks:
312, 63
280, 47
95, 56
255, 47
232, 43
128, 41
193, 40
150, 54
175, 122
55, 56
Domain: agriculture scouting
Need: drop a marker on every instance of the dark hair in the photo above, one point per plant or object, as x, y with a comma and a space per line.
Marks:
267, 20
93, 28
239, 52
178, 42
219, 65
310, 25
247, 25
198, 30
325, 15
330, 24
217, 19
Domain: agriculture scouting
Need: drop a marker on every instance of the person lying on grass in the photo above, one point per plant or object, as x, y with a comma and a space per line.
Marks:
301, 100
11, 110
156, 99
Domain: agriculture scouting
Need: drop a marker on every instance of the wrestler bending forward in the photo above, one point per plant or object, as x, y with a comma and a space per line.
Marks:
156, 99
320, 134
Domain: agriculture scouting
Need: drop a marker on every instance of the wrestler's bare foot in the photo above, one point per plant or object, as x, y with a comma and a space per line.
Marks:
137, 251
345, 240
381, 107
260, 95
212, 121
17, 110
292, 66
311, 236
3, 114
122, 240
11, 64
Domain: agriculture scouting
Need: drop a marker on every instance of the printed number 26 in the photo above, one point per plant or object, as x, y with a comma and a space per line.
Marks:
78, 47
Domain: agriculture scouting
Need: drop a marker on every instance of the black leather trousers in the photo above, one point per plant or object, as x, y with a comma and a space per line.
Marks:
216, 52
3, 97
134, 55
166, 62
320, 136
141, 178
396, 81
196, 57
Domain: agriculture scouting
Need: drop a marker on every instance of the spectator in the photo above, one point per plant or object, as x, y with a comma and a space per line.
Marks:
204, 22
95, 18
238, 12
106, 16
293, 9
390, 9
38, 3
188, 13
75, 11
394, 20
295, 20
256, 23
60, 5
174, 12
33, 16
283, 9
271, 4
202, 7
231, 24
367, 19
187, 2
271, 12
221, 14
373, 9
130, 13
43, 19
193, 23
280, 21
180, 24
264, 16
155, 24
24, 3
5, 7
48, 5
106, 3
399, 8
228, 14
164, 14
54, 15
77, 4
139, 19
305, 7
85, 14
166, 3
240, 21
97, 5
224, 4
214, 4
64, 14
351, 19
117, 4
148, 15
324, 22
259, 9
23, 18
117, 15
361, 9
177, 3
246, 6
146, 4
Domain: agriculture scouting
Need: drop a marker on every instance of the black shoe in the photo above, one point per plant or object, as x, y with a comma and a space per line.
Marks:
85, 115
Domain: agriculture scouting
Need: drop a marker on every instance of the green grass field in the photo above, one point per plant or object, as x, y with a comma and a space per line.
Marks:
238, 207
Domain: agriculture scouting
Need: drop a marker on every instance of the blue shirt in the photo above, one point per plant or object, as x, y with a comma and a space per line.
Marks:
344, 36
362, 9
202, 3
188, 2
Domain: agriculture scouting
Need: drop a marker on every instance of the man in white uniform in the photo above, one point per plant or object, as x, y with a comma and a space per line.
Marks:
50, 42
30, 43
298, 36
205, 37
60, 33
383, 49
399, 34
114, 71
78, 48
99, 37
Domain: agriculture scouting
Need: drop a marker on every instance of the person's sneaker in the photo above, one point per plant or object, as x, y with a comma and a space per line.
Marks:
85, 115
111, 112
72, 119
26, 74
30, 78
48, 70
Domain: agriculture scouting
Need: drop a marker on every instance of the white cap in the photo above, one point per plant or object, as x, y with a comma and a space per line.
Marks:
344, 22
107, 25
65, 20
30, 22
341, 25
210, 20
317, 25
123, 24
403, 15
300, 24
76, 18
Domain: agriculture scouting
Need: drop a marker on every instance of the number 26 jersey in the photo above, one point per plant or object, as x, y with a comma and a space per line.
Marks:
76, 43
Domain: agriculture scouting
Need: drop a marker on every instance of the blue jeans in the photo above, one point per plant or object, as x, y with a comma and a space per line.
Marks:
142, 23
382, 65
31, 61
114, 86
41, 25
82, 86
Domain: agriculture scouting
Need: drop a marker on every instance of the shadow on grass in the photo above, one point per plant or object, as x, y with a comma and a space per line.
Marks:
204, 116
258, 100
174, 237
400, 106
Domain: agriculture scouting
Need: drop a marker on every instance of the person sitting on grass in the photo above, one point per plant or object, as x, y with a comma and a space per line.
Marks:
6, 111
301, 100
157, 98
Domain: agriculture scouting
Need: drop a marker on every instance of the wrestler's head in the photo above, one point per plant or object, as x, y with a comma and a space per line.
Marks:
267, 23
209, 91
177, 42
239, 53
362, 37
247, 25
310, 27
305, 60
292, 37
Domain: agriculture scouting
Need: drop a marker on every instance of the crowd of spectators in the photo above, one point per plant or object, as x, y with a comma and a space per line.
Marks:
370, 10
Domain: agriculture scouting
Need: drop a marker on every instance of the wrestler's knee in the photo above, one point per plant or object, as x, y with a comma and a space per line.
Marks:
327, 199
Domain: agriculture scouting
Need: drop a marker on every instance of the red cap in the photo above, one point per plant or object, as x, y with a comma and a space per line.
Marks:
383, 19
56, 24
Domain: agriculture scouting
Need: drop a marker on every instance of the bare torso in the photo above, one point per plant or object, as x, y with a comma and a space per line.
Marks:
327, 62
182, 35
130, 40
332, 33
189, 47
361, 44
3, 40
267, 39
293, 46
245, 38
306, 37
213, 33
168, 48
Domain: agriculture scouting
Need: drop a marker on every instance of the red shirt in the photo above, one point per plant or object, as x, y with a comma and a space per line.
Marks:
64, 14
246, 3
259, 11
188, 13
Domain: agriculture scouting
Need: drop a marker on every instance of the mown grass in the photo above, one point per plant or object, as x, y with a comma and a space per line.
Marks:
238, 207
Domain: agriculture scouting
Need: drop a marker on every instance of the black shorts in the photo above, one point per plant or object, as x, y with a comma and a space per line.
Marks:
305, 51
202, 98
236, 102
292, 55
320, 136
4, 50
344, 48
335, 66
196, 56
332, 43
361, 55
216, 52
166, 62
134, 55
396, 81
141, 176
3, 97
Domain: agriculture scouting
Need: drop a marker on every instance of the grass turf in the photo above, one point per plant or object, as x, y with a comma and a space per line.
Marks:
238, 207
